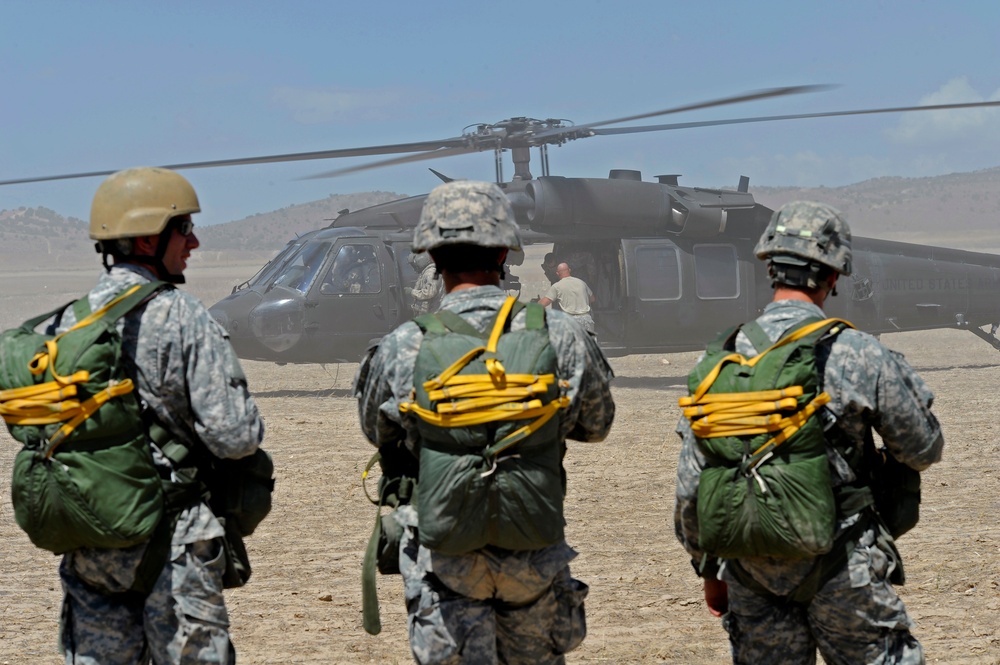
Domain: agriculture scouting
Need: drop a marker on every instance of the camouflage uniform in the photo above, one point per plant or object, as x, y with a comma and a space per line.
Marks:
427, 290
186, 372
857, 616
491, 605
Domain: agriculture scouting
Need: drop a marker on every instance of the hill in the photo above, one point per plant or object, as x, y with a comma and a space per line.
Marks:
271, 230
956, 210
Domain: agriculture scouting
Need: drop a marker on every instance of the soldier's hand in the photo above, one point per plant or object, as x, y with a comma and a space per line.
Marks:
716, 596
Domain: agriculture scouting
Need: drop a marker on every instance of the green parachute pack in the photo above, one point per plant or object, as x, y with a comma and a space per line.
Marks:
490, 462
85, 475
766, 489
477, 398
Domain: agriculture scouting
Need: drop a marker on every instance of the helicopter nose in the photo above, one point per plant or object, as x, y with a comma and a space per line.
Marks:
277, 322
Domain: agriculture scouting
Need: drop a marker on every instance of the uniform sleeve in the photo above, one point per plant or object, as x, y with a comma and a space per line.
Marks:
225, 415
689, 467
874, 386
384, 380
586, 369
904, 419
427, 285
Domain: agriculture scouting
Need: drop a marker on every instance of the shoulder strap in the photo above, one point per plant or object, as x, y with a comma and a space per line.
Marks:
81, 308
724, 341
131, 298
443, 320
755, 333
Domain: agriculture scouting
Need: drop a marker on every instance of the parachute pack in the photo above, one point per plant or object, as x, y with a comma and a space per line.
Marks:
766, 489
490, 466
474, 402
85, 475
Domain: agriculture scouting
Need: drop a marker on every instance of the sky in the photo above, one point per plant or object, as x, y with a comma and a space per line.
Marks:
106, 85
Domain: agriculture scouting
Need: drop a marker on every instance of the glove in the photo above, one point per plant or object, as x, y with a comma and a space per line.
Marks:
716, 596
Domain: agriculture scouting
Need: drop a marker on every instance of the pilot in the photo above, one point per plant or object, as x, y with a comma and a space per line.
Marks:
573, 295
766, 603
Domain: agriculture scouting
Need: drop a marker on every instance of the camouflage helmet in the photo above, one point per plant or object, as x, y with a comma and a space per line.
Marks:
419, 261
139, 202
466, 212
801, 233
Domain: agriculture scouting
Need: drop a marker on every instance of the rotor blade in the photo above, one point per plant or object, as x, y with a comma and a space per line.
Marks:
433, 154
829, 114
420, 146
745, 97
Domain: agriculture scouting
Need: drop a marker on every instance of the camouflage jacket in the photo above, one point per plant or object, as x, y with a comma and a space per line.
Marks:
870, 386
427, 291
186, 371
385, 376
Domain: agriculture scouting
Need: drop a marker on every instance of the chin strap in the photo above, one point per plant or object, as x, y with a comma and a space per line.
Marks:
155, 262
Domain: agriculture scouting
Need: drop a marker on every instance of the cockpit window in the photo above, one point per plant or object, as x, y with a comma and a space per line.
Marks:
265, 274
355, 270
299, 271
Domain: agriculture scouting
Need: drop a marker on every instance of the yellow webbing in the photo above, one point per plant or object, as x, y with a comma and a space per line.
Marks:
477, 399
54, 401
752, 413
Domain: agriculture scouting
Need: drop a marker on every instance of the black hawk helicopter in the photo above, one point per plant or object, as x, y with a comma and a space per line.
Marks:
670, 265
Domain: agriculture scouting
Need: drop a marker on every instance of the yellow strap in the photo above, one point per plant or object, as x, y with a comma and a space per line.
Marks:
741, 407
758, 395
480, 418
804, 331
87, 409
452, 369
485, 387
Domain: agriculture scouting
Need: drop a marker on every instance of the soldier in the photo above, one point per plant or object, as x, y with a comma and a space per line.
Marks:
855, 615
492, 604
428, 289
573, 295
191, 384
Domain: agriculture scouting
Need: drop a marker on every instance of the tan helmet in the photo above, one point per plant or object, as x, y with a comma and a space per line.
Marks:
139, 202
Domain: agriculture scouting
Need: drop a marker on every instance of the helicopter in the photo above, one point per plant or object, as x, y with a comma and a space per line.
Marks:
670, 265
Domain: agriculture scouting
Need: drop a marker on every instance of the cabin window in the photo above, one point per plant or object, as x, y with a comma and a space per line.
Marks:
716, 270
658, 273
354, 270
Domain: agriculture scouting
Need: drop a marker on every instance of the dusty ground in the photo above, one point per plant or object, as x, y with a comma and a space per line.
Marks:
303, 604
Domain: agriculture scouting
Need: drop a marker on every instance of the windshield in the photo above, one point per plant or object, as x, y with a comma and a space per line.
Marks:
298, 270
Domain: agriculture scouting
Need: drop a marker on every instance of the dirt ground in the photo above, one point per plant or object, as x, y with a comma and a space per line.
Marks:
303, 604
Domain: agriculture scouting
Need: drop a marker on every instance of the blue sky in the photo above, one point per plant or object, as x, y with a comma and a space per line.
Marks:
107, 85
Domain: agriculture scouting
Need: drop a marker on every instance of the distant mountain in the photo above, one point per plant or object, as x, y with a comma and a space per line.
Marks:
956, 210
270, 231
42, 238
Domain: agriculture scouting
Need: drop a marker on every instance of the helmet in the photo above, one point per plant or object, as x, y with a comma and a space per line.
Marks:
419, 261
801, 233
466, 212
139, 202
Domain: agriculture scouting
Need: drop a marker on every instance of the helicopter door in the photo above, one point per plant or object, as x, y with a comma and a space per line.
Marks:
682, 297
351, 304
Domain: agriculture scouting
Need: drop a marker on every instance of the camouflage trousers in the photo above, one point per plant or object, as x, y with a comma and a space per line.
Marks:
855, 618
182, 620
587, 321
491, 606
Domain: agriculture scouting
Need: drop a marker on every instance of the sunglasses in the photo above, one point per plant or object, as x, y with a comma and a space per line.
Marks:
184, 226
